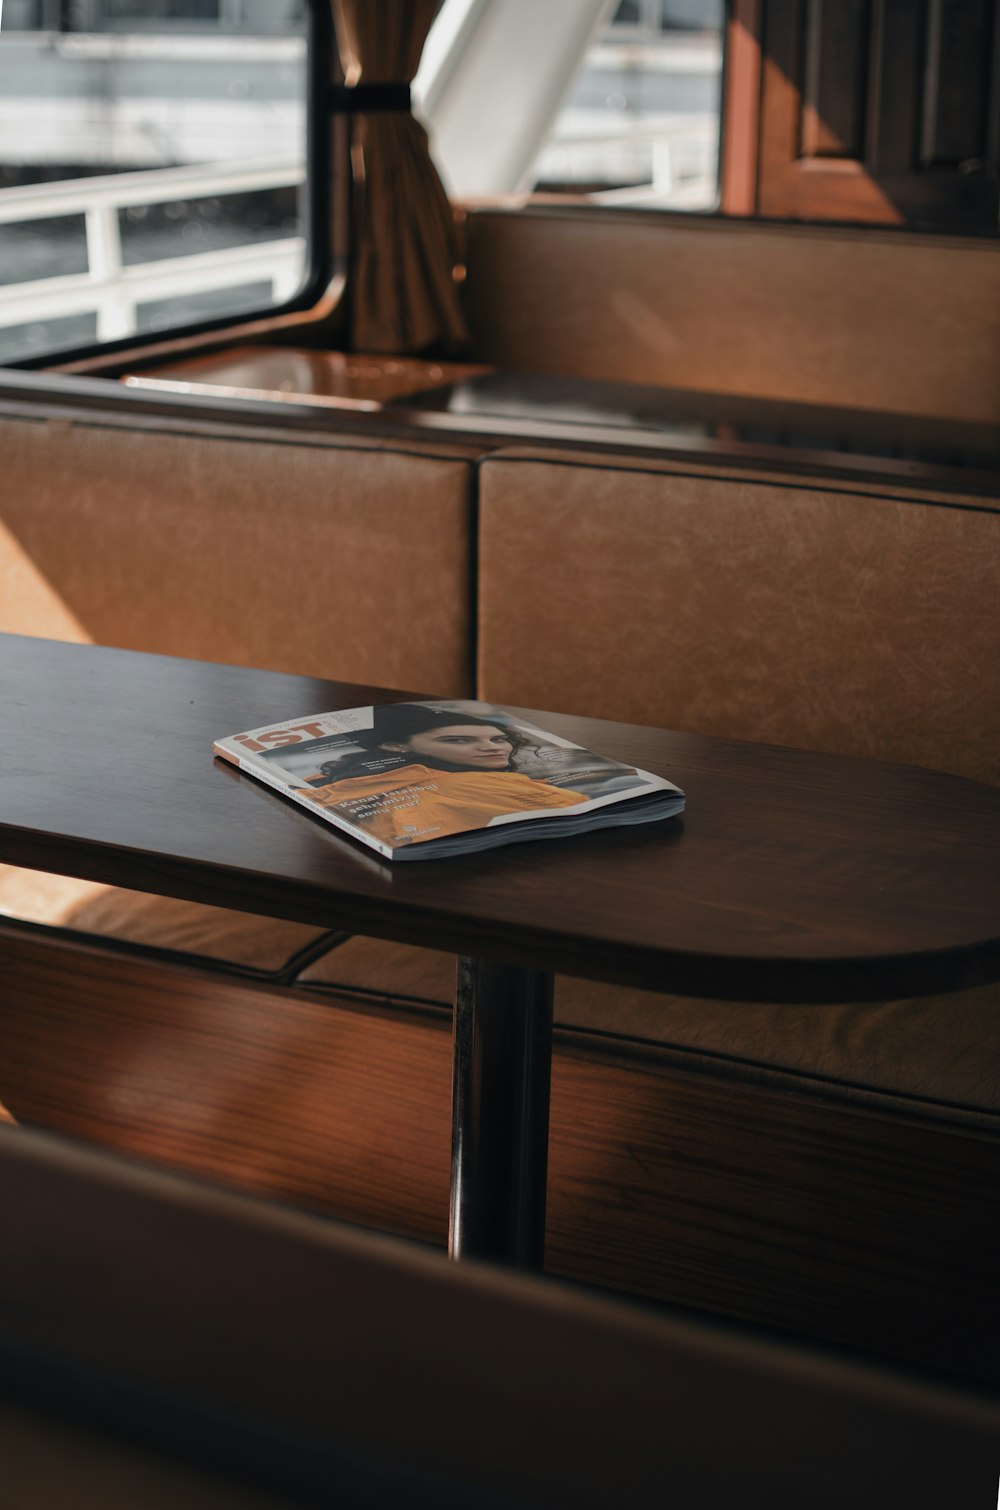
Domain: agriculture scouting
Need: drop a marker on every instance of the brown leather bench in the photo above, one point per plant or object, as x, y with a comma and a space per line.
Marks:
327, 554
826, 1171
847, 1162
857, 317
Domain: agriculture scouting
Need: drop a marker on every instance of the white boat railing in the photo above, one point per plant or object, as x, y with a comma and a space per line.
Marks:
113, 290
588, 144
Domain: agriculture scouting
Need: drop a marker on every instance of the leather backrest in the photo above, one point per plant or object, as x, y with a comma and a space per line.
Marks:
829, 615
318, 554
308, 1354
858, 318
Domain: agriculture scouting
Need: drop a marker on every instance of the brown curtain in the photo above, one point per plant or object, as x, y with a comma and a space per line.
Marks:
403, 294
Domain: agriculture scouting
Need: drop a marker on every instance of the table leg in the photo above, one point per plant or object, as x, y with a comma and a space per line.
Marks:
500, 1113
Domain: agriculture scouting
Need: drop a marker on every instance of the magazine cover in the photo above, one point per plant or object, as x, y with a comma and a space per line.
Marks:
432, 778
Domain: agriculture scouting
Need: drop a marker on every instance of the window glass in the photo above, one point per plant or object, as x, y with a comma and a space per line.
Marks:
28, 340
257, 16
624, 110
184, 309
152, 164
641, 124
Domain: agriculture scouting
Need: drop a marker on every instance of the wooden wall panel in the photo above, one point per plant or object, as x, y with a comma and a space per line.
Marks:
835, 76
897, 43
956, 82
776, 1208
882, 111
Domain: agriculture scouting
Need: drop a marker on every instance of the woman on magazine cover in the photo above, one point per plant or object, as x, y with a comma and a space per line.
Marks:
426, 772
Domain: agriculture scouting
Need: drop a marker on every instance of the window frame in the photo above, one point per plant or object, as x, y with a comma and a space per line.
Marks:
323, 260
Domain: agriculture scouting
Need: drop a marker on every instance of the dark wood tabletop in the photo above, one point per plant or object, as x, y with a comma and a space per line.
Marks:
791, 876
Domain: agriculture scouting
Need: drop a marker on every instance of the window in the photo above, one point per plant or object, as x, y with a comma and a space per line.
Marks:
885, 114
256, 16
579, 99
152, 166
641, 123
850, 112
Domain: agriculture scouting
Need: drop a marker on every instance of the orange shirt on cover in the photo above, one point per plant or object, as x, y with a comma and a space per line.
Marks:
415, 802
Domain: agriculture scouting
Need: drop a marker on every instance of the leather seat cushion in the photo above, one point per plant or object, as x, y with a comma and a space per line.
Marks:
236, 940
942, 1052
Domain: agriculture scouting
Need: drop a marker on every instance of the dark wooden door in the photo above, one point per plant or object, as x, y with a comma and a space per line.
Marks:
881, 110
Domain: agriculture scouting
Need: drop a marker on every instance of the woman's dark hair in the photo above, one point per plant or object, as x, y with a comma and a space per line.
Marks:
396, 723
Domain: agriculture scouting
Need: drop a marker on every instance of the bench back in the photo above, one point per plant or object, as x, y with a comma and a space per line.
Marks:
840, 616
328, 555
857, 318
312, 1355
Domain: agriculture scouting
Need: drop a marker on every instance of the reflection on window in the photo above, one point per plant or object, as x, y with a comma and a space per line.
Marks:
164, 314
257, 16
641, 125
51, 248
21, 341
218, 222
152, 157
617, 105
669, 15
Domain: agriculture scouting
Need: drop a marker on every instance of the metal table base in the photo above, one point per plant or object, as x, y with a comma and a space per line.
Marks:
500, 1113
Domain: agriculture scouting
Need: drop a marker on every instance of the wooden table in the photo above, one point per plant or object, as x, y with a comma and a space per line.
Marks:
791, 877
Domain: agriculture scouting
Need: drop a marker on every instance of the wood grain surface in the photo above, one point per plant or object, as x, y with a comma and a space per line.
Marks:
791, 877
782, 1204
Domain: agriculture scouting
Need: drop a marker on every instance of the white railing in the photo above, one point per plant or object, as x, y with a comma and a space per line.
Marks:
114, 291
679, 153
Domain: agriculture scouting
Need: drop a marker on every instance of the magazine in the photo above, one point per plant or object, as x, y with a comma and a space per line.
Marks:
419, 780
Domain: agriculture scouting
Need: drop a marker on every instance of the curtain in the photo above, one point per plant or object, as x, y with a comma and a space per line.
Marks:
403, 294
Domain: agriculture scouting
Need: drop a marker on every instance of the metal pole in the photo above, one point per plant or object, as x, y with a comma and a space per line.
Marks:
500, 1110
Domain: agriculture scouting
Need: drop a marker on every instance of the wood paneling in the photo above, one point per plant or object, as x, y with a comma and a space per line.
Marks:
881, 110
957, 82
779, 1208
738, 169
833, 101
274, 1094
895, 60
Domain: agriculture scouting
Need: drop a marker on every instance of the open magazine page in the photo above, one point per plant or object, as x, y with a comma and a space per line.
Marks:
405, 775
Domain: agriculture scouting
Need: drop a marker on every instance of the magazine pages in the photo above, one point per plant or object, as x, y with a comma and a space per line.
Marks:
416, 780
